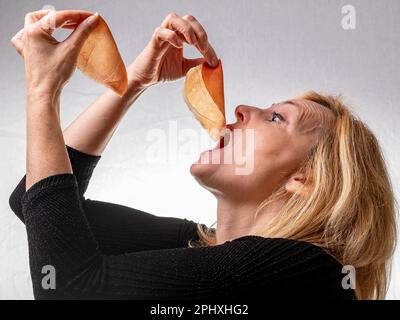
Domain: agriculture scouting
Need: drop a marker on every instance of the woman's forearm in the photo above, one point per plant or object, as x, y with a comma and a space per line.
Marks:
91, 131
161, 60
46, 152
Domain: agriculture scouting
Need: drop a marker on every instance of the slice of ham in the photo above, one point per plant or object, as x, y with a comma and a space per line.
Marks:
204, 95
100, 59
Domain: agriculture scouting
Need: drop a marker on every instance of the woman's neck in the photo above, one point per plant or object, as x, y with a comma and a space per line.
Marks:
237, 219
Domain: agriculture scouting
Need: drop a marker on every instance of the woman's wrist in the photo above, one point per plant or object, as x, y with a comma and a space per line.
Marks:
134, 81
135, 87
45, 98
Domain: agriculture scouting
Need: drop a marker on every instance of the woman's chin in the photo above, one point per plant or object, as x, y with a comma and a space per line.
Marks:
204, 174
199, 169
204, 166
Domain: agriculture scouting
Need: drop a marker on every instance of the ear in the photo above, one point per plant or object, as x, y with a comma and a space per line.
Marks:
295, 182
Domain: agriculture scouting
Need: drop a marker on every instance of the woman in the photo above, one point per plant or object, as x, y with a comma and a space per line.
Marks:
318, 199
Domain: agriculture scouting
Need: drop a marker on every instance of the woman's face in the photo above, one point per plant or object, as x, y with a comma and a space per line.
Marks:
261, 149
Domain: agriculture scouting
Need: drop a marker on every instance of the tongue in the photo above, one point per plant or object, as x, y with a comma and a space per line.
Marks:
221, 143
224, 139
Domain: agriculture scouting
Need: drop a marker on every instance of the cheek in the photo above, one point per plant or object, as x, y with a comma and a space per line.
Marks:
277, 156
270, 145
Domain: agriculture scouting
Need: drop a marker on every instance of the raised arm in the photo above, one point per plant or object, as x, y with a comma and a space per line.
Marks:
161, 60
92, 130
90, 133
48, 66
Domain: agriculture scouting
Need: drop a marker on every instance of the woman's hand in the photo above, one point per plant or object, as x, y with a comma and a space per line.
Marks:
162, 59
49, 63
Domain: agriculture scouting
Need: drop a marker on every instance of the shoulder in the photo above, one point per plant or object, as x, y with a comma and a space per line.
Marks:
297, 251
297, 245
287, 265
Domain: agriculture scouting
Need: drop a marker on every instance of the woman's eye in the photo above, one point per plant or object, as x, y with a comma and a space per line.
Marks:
276, 117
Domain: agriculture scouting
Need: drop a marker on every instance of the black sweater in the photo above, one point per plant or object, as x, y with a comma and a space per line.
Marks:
103, 250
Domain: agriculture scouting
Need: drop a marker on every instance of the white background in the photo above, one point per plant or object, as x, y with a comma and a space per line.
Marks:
271, 50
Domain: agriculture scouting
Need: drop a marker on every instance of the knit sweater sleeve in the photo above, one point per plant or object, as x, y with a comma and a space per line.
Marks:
59, 236
82, 164
117, 228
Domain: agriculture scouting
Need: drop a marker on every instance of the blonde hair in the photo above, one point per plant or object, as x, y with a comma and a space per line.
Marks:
346, 205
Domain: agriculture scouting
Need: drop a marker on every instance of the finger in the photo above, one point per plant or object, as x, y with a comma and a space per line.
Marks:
162, 35
17, 42
190, 63
77, 38
174, 22
210, 55
201, 34
204, 46
59, 19
35, 16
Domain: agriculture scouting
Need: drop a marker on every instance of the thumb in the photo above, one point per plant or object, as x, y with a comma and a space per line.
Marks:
190, 63
82, 32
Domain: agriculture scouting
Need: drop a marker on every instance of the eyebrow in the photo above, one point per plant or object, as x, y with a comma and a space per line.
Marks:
290, 102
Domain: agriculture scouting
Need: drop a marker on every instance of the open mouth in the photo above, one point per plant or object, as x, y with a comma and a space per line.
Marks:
226, 135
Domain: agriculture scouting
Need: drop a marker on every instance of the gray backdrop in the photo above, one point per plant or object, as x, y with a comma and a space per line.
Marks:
271, 50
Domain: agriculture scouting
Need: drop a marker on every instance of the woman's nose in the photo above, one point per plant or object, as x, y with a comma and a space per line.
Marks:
243, 113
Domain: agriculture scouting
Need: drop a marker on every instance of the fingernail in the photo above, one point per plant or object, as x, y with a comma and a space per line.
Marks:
214, 62
91, 21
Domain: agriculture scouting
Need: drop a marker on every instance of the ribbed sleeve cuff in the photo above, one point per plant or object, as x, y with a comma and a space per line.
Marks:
83, 165
82, 157
55, 181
